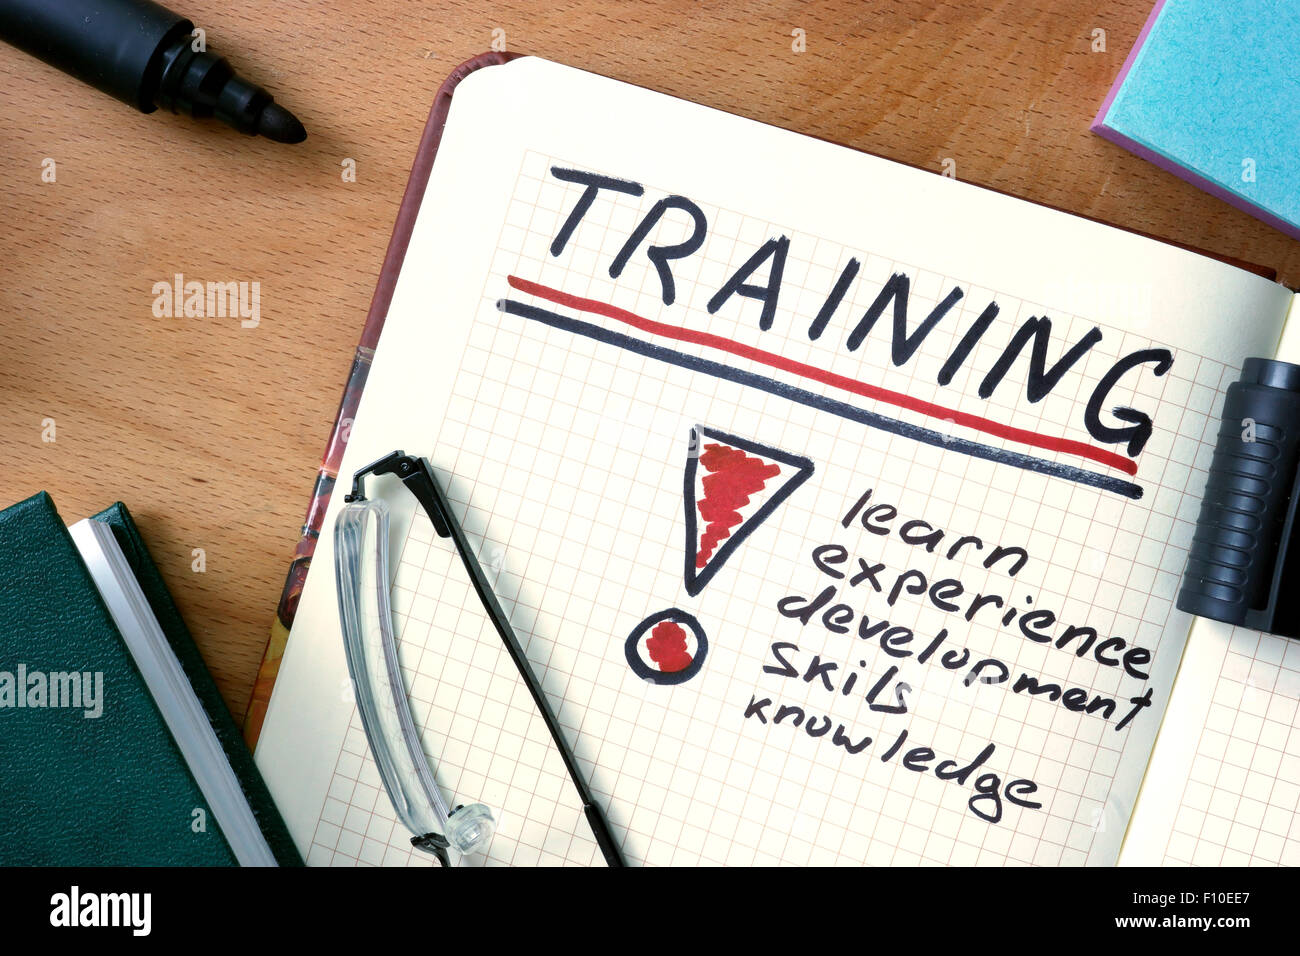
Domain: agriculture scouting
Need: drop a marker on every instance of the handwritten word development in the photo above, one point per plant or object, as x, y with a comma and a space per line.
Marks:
854, 578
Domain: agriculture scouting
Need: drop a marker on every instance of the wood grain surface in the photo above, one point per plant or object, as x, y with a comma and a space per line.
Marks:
212, 432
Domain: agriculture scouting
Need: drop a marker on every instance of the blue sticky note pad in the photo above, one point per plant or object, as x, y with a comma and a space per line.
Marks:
1210, 92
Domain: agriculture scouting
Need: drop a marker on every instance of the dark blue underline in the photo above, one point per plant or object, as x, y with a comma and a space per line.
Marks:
854, 414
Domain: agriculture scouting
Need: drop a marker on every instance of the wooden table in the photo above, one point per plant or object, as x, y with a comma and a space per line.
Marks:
212, 432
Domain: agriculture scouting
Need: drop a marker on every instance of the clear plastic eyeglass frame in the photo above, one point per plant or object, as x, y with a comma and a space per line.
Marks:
361, 567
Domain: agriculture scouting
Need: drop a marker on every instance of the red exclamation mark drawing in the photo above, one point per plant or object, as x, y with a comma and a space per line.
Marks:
731, 486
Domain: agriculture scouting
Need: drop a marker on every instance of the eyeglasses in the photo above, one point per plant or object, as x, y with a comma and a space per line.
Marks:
361, 570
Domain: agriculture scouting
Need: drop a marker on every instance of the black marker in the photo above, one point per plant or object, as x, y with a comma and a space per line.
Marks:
144, 55
1240, 567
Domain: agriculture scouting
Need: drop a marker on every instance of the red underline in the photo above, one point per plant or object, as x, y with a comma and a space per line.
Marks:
965, 419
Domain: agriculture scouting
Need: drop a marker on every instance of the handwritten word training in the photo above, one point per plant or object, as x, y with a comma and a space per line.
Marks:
759, 279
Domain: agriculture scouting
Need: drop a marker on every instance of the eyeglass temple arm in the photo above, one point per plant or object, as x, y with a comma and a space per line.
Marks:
419, 479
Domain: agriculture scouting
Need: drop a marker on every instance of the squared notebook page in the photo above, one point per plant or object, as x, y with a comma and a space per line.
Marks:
1223, 784
560, 419
1223, 787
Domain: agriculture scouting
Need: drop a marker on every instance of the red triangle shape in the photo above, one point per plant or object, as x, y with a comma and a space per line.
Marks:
732, 478
733, 473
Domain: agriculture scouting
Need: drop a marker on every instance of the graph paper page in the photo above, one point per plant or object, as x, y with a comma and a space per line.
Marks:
1221, 787
839, 506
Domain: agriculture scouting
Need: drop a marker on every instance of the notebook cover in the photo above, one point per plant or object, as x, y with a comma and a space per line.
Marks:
78, 790
324, 486
1208, 93
178, 636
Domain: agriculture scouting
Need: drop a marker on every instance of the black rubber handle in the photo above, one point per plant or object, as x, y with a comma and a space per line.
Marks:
1240, 557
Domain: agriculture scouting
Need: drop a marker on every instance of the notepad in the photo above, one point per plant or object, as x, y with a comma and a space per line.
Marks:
165, 678
111, 718
1208, 93
840, 506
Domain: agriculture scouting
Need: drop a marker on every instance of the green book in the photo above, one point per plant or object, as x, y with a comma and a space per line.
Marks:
115, 745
